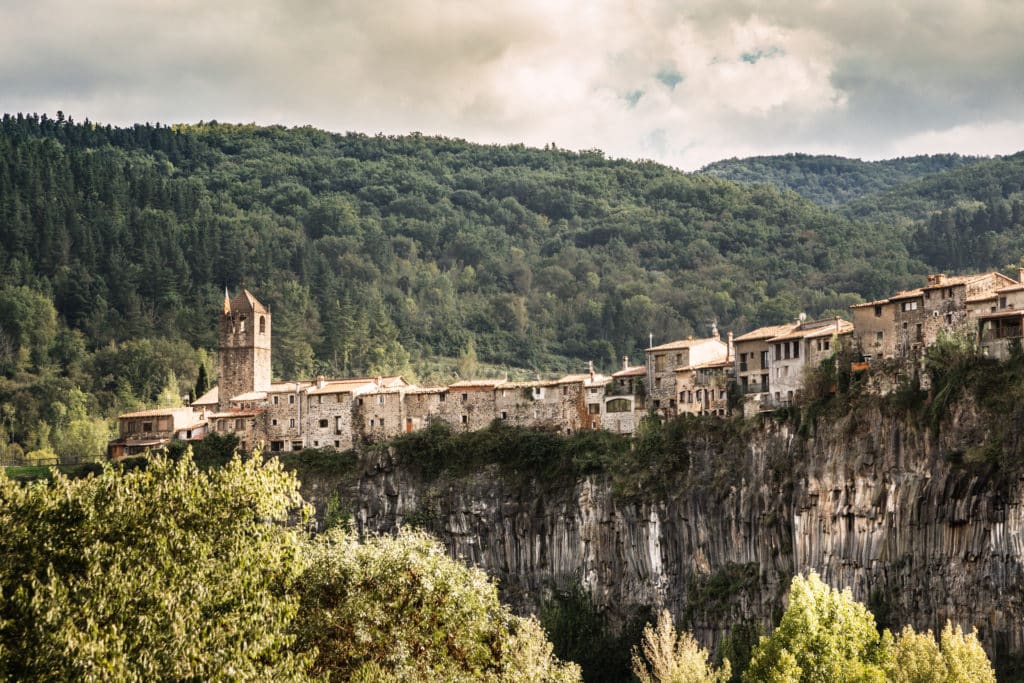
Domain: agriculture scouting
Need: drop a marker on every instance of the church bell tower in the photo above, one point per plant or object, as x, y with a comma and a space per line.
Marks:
244, 347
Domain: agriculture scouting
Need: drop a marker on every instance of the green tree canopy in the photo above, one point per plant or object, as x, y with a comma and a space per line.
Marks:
825, 635
162, 573
401, 606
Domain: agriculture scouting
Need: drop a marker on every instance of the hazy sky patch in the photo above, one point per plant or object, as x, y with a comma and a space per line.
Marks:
683, 83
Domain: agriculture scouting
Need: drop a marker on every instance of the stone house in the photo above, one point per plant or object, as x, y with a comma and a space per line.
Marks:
1000, 320
704, 388
145, 429
907, 323
792, 353
752, 366
663, 360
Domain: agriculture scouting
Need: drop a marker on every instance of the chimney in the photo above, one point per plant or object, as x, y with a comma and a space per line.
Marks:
321, 381
625, 362
714, 330
378, 380
1020, 275
590, 367
728, 347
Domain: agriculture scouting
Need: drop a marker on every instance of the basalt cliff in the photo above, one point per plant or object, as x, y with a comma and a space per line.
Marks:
911, 515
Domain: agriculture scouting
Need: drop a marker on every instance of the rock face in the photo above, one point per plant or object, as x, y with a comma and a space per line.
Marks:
873, 500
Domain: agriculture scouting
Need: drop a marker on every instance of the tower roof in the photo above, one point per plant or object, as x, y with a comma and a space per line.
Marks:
245, 301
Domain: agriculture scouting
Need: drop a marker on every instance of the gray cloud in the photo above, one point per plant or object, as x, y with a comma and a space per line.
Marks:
682, 83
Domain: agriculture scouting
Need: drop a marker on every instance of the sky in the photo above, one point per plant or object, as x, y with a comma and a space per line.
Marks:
681, 82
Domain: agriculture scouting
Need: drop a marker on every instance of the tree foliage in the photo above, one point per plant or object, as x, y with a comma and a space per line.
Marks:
399, 606
824, 635
165, 572
665, 656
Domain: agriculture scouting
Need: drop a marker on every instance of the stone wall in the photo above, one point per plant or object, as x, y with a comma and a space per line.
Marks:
871, 500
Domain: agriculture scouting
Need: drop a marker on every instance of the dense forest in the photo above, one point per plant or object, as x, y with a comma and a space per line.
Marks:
401, 254
829, 180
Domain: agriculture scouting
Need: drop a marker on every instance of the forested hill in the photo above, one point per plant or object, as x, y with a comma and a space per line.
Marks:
832, 180
965, 219
372, 248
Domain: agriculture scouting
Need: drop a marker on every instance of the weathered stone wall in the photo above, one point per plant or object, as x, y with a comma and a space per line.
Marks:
871, 501
329, 421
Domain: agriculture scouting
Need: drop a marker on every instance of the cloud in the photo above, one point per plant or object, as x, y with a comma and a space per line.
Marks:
682, 83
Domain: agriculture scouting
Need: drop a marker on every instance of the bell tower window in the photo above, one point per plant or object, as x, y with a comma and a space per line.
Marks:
263, 325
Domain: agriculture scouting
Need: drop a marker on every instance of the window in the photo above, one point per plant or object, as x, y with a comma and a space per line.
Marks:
538, 392
465, 419
910, 305
617, 405
291, 423
276, 400
147, 426
263, 325
949, 318
440, 397
1002, 302
360, 401
796, 349
337, 425
276, 446
315, 444
785, 351
323, 424
878, 336
826, 344
319, 399
239, 425
565, 391
380, 399
273, 423
465, 397
764, 359
291, 398
381, 420
337, 444
679, 359
657, 383
504, 415
659, 363
878, 311
296, 445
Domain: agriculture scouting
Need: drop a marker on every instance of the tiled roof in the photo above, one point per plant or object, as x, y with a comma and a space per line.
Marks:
634, 371
826, 328
249, 396
210, 398
765, 332
245, 301
427, 390
347, 386
684, 344
477, 383
156, 412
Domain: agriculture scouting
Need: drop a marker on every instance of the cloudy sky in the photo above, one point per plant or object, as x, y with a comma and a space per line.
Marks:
684, 82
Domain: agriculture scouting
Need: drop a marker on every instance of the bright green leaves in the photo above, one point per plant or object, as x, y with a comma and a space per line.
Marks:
825, 635
161, 573
402, 606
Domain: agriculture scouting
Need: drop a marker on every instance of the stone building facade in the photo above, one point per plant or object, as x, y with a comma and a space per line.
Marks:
768, 365
244, 348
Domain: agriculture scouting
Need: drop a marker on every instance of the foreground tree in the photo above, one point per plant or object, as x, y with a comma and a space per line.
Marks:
398, 609
669, 657
162, 573
956, 658
824, 635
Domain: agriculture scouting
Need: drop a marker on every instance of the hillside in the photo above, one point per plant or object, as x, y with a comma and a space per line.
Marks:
391, 254
829, 180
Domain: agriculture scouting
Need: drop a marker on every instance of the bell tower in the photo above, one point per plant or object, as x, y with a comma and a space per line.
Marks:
244, 347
